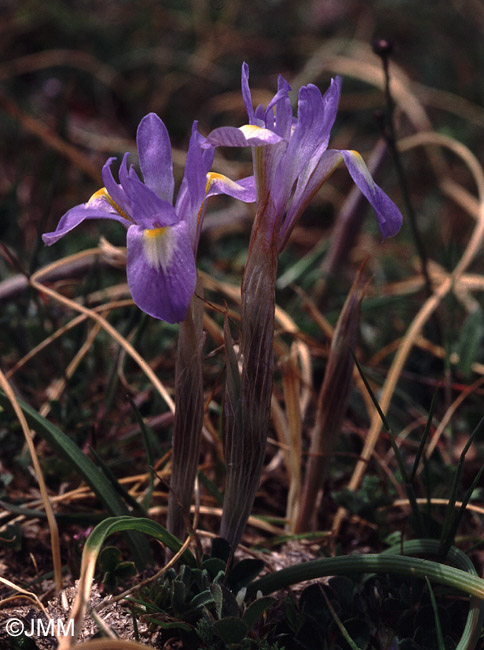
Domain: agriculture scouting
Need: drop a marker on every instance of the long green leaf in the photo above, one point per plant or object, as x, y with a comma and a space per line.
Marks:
137, 508
370, 563
93, 547
140, 524
464, 579
91, 474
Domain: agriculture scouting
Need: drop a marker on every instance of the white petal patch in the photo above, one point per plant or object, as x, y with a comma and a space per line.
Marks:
251, 130
159, 246
258, 135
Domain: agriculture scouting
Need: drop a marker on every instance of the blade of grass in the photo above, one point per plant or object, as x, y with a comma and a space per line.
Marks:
147, 441
438, 627
425, 436
462, 508
61, 517
212, 488
69, 451
11, 401
91, 552
370, 563
448, 528
401, 466
109, 329
339, 623
370, 392
138, 509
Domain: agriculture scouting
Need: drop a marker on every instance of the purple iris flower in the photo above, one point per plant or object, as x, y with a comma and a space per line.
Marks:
162, 238
290, 172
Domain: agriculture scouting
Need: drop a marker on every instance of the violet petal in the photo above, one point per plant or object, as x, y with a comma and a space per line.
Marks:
161, 271
154, 152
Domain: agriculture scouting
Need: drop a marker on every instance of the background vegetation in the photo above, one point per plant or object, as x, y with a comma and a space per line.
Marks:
75, 79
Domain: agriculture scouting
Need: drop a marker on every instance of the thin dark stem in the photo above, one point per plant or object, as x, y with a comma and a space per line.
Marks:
383, 49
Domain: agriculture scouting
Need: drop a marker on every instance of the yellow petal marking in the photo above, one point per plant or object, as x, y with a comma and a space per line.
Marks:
103, 194
213, 176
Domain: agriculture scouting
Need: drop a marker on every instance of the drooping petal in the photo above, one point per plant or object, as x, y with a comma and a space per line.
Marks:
161, 270
147, 208
388, 215
154, 152
313, 177
243, 189
244, 136
78, 214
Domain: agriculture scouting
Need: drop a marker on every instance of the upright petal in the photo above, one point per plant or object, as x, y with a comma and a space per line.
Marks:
330, 107
154, 152
147, 208
161, 271
283, 108
316, 115
388, 215
199, 160
115, 190
246, 94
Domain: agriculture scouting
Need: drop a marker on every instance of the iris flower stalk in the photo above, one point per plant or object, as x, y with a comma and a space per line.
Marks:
288, 173
162, 242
